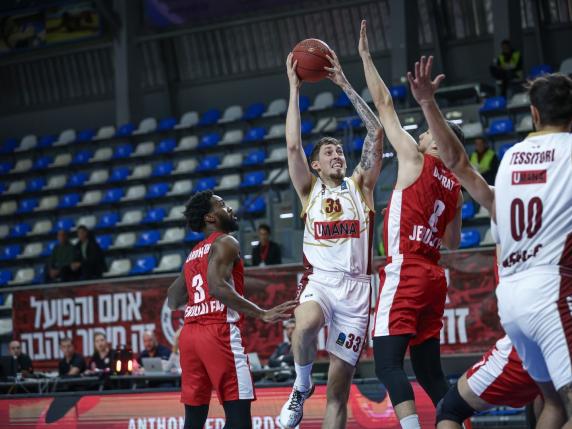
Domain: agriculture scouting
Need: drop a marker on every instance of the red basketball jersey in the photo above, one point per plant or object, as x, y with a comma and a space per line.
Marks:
203, 308
416, 217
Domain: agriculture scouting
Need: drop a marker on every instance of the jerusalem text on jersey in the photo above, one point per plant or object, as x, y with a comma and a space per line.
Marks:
425, 235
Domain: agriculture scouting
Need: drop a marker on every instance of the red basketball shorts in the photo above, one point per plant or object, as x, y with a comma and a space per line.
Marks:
411, 300
213, 357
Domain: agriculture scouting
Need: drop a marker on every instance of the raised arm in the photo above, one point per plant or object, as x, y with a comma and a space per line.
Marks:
297, 163
222, 256
451, 150
367, 171
404, 145
177, 294
452, 236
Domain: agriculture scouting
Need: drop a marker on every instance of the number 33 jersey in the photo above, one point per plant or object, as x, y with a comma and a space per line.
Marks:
202, 307
533, 202
338, 229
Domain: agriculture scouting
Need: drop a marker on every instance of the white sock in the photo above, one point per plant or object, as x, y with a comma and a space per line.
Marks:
410, 422
303, 380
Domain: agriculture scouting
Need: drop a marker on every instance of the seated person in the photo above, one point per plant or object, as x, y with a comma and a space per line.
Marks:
507, 67
59, 265
89, 258
153, 348
283, 353
266, 252
21, 362
485, 160
72, 364
102, 358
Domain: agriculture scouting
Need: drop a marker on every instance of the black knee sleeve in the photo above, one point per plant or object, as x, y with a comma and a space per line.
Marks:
389, 353
426, 363
196, 416
237, 414
453, 407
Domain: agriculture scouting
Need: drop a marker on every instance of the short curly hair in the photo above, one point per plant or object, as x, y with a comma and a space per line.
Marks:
196, 208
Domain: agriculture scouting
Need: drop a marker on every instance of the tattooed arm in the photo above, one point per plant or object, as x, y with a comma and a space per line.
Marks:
367, 171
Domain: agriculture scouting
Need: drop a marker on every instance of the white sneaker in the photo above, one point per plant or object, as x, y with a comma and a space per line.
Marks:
293, 410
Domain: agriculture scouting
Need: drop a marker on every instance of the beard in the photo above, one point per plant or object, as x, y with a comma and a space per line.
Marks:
228, 224
337, 174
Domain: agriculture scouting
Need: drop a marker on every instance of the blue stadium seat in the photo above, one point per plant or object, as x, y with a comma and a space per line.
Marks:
107, 220
204, 184
255, 157
125, 130
69, 200
20, 229
468, 210
35, 184
167, 124
65, 224
143, 265
85, 135
398, 92
9, 145
209, 140
104, 241
210, 117
255, 134
166, 146
77, 179
208, 163
193, 236
254, 178
46, 141
42, 162
342, 100
357, 144
308, 149
162, 169
157, 190
254, 111
304, 103
154, 215
493, 103
255, 205
503, 149
123, 151
306, 126
5, 277
10, 252
119, 174
39, 274
500, 126
148, 238
82, 157
6, 166
113, 195
470, 237
539, 70
27, 205
3, 187
48, 248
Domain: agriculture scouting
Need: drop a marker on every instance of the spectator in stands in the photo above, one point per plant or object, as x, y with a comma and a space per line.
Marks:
72, 364
102, 358
507, 67
89, 260
59, 266
153, 348
23, 363
266, 252
485, 160
283, 353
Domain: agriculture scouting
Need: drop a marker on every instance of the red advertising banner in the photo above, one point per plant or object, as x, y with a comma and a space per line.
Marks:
126, 308
369, 407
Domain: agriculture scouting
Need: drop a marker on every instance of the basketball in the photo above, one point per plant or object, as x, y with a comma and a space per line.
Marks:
311, 57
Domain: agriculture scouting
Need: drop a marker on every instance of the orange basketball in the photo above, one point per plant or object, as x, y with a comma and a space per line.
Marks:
311, 57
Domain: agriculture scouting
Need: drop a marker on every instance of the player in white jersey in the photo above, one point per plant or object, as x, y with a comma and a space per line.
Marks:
533, 211
335, 290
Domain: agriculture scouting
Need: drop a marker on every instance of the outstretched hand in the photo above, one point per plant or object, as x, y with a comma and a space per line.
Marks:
422, 87
335, 72
280, 312
363, 45
291, 65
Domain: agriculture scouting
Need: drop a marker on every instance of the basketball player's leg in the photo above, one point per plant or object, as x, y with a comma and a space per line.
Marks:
340, 375
426, 362
237, 414
196, 416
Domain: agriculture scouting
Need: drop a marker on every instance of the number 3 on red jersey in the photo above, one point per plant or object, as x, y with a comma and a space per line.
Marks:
197, 285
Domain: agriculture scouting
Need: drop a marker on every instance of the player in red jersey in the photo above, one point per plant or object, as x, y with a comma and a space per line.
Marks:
210, 343
483, 385
423, 212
